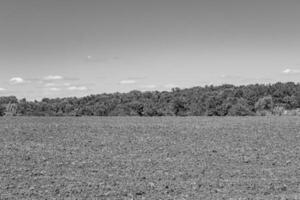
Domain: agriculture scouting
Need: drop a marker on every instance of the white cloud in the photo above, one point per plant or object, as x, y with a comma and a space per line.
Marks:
170, 86
2, 89
291, 71
80, 88
56, 84
54, 89
129, 81
50, 84
67, 84
287, 71
53, 77
17, 80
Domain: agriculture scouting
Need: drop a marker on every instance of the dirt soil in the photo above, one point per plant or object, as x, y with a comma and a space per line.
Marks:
150, 158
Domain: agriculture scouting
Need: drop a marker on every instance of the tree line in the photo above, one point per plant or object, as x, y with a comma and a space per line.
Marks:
224, 100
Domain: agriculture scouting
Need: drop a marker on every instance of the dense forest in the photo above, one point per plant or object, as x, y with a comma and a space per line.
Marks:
255, 99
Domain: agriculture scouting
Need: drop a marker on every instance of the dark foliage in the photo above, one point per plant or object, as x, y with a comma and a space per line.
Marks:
2, 110
197, 101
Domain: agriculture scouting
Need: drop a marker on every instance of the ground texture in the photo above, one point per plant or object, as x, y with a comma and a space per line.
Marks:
150, 158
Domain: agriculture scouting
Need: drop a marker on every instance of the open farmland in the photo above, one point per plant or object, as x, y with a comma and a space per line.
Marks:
150, 158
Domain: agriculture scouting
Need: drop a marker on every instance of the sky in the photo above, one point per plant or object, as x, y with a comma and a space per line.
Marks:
59, 48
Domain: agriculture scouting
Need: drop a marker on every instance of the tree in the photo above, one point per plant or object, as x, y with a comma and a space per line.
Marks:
120, 110
136, 108
179, 106
297, 96
290, 102
264, 103
149, 109
2, 110
209, 100
240, 108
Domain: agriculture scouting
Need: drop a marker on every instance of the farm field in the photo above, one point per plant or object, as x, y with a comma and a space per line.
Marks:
150, 158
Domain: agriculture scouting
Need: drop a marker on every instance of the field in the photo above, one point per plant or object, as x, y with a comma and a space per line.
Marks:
150, 158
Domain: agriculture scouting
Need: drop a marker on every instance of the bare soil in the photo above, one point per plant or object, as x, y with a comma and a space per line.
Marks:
150, 158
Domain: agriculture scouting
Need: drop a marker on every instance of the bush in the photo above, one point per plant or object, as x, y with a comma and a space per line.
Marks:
278, 110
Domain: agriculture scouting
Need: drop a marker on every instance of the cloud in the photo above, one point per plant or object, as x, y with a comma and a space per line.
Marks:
51, 80
128, 81
54, 89
291, 71
71, 78
80, 88
170, 86
96, 59
16, 80
50, 84
53, 77
67, 84
2, 89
